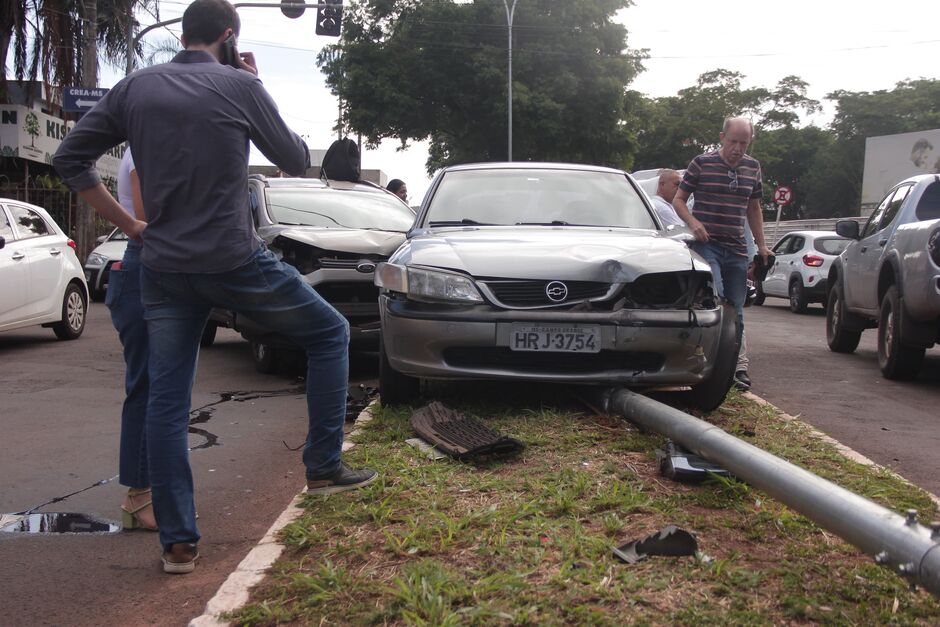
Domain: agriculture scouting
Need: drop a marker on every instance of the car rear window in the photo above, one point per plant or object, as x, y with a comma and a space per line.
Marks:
928, 207
830, 245
502, 196
340, 209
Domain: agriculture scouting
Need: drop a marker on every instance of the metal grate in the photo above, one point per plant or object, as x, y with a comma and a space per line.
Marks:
502, 358
532, 293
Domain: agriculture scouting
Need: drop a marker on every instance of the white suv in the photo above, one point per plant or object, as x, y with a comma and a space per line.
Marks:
801, 267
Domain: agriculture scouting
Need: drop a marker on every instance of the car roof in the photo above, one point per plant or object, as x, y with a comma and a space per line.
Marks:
306, 183
531, 165
37, 208
815, 234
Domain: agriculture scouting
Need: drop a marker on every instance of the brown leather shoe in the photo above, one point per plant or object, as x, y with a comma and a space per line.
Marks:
180, 558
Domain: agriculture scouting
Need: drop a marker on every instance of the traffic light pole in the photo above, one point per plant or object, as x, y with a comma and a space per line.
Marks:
284, 6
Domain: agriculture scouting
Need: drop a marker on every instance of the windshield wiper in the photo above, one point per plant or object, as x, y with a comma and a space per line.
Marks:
552, 223
458, 222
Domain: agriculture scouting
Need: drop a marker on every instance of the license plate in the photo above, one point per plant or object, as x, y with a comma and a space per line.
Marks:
555, 339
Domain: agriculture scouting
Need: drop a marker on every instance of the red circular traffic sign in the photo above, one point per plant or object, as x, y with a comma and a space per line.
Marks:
783, 195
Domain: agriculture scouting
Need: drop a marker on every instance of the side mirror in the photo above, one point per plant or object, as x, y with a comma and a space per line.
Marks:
847, 228
101, 238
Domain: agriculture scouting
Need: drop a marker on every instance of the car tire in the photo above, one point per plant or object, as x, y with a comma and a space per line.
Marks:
896, 359
208, 334
710, 393
839, 337
74, 313
761, 297
264, 357
797, 294
395, 388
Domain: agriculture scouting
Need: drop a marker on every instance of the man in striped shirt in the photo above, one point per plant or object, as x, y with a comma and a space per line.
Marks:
727, 188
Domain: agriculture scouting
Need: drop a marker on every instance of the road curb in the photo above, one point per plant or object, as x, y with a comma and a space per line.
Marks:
234, 591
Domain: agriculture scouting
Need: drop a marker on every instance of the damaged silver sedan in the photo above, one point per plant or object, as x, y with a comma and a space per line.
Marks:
334, 233
549, 272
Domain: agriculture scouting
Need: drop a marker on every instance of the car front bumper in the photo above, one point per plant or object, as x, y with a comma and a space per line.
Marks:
637, 347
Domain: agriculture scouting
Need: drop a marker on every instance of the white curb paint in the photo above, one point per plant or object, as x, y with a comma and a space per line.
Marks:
234, 591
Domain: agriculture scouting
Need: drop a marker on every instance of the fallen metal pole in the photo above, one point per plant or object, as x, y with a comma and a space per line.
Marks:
900, 543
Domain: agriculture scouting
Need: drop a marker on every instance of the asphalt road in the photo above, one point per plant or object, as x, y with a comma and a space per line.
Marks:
896, 424
60, 415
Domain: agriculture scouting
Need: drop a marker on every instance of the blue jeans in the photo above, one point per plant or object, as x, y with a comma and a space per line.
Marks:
127, 316
273, 294
729, 271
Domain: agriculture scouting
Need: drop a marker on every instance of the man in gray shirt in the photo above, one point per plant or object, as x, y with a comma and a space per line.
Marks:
189, 122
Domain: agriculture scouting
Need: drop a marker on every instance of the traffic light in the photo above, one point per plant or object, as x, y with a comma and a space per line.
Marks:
291, 9
330, 19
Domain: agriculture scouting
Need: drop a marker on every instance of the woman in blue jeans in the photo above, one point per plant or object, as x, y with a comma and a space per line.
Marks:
127, 315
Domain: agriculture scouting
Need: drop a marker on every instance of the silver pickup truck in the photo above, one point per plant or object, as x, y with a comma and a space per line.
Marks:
889, 278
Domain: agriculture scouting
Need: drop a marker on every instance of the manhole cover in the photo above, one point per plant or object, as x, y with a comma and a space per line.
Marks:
55, 522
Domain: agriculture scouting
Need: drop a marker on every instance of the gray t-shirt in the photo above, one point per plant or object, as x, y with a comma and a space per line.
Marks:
189, 121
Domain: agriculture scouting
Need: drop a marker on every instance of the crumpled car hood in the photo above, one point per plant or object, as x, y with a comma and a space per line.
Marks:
550, 253
357, 241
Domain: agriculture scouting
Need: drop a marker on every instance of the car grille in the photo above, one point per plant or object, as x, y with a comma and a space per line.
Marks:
532, 293
357, 301
553, 363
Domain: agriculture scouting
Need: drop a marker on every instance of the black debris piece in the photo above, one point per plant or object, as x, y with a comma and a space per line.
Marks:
669, 541
682, 465
460, 436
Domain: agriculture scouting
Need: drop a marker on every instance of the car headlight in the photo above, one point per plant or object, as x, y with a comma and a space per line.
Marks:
423, 284
95, 259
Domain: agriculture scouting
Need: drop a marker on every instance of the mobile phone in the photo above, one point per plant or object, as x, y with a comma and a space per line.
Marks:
230, 52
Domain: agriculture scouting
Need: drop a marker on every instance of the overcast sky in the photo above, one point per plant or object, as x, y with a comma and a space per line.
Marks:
834, 44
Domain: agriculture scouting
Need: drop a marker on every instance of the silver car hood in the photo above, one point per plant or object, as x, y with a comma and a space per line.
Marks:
550, 253
357, 241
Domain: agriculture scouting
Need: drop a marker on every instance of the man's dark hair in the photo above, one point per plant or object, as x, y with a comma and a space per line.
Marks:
394, 185
205, 20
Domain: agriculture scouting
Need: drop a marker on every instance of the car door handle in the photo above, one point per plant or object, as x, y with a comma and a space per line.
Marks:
55, 251
17, 256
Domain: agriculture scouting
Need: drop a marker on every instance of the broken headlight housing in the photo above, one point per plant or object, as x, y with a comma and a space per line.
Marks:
427, 285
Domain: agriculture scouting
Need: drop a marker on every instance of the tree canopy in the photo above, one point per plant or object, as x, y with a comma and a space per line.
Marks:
438, 70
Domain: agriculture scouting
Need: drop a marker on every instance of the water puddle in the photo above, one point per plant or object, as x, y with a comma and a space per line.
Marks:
55, 522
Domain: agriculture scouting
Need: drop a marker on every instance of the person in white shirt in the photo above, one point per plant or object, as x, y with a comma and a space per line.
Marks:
665, 192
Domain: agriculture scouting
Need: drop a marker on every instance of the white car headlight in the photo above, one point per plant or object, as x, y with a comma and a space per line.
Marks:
94, 259
423, 284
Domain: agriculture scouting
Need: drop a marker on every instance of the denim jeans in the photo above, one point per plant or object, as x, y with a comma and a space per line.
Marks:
273, 294
127, 316
730, 274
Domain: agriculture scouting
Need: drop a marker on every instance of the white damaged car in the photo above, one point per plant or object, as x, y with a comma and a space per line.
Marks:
549, 272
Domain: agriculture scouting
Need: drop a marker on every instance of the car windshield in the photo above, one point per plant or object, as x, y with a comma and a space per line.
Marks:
331, 208
537, 196
830, 245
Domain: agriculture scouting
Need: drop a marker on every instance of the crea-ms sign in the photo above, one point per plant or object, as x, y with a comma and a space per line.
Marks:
27, 133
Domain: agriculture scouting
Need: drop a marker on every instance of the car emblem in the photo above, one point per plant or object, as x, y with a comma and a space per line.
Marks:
556, 291
365, 267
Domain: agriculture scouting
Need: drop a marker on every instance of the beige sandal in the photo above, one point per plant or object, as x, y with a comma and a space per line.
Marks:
140, 517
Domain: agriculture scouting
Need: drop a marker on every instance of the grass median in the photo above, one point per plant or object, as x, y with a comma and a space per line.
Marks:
528, 540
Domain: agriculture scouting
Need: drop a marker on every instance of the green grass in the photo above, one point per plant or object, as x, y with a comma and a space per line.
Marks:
526, 541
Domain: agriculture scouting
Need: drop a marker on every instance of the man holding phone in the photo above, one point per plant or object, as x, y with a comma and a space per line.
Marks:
189, 122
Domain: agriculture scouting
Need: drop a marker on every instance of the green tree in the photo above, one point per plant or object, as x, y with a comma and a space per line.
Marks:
31, 127
415, 70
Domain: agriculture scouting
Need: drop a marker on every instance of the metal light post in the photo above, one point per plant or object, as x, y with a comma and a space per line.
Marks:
510, 12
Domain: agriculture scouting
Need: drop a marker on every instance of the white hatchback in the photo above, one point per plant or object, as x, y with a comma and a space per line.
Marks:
42, 280
801, 268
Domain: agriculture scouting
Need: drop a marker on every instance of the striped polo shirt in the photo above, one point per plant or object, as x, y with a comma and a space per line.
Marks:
722, 194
